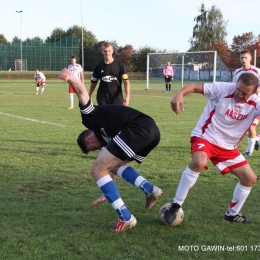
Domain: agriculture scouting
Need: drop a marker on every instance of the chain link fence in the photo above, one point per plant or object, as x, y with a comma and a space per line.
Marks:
43, 56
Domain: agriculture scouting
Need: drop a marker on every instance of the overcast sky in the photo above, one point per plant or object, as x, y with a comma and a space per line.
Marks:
160, 24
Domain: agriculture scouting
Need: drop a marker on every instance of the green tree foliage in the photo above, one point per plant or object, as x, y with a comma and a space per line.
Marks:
209, 27
35, 41
16, 40
140, 58
3, 40
56, 35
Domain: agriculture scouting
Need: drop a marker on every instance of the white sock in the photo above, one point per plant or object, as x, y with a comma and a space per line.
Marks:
42, 90
239, 197
188, 179
37, 88
71, 99
250, 145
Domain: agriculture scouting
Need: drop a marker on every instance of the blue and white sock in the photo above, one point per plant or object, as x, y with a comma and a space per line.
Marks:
109, 189
130, 175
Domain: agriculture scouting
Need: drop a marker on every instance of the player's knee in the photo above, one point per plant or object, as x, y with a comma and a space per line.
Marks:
248, 180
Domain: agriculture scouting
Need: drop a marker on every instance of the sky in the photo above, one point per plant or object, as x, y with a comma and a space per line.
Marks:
160, 24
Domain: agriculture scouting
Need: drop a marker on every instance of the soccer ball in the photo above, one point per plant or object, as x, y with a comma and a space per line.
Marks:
178, 219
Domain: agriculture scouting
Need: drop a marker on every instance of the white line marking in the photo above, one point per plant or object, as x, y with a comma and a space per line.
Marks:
31, 119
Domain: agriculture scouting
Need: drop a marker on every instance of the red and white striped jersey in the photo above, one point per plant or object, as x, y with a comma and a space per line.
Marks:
224, 122
75, 70
254, 70
40, 77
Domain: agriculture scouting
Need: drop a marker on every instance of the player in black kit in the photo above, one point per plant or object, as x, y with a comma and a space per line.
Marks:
111, 74
126, 134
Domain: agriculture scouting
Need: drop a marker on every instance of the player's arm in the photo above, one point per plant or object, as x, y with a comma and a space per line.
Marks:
177, 102
127, 92
82, 77
77, 86
92, 88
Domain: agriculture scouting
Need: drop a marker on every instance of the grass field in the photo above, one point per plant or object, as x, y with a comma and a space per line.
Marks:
46, 188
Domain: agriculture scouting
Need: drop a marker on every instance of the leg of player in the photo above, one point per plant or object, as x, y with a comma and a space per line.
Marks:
71, 96
104, 163
102, 198
37, 89
251, 138
151, 192
188, 179
242, 190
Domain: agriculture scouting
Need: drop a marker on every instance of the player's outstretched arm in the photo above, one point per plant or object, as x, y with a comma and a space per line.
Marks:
77, 86
177, 102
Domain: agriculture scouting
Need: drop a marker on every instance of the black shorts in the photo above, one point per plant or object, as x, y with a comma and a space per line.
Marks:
135, 140
168, 79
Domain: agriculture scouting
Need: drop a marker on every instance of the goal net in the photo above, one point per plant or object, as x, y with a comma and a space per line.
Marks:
20, 64
188, 66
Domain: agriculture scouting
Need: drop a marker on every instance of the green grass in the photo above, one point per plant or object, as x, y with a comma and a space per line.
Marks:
46, 188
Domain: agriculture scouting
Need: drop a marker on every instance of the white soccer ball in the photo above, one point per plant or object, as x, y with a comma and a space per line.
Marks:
178, 219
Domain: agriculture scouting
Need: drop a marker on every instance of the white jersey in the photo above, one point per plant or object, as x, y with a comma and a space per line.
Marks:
40, 77
75, 70
254, 70
224, 122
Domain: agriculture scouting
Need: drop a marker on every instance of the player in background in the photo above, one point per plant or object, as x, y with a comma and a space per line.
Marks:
230, 110
40, 81
168, 76
110, 74
245, 59
126, 135
77, 71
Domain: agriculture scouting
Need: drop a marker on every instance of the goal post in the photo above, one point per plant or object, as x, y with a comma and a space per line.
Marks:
188, 66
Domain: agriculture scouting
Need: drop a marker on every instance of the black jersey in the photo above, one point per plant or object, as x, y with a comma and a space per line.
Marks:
110, 86
107, 121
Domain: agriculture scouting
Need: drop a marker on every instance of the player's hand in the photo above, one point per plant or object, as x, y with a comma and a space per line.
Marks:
177, 103
126, 102
65, 74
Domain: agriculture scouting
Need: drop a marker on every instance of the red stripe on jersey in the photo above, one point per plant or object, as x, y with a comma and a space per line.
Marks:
208, 121
251, 103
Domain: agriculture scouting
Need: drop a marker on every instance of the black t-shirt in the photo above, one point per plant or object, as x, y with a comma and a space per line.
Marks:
106, 121
110, 86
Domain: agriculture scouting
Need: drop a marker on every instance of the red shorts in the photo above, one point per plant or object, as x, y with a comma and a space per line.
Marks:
41, 83
225, 160
71, 89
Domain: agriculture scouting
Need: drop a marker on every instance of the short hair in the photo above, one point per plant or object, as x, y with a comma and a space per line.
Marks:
245, 51
73, 57
82, 143
249, 79
107, 44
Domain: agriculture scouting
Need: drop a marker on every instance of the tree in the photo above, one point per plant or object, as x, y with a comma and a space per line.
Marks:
89, 41
35, 41
3, 40
209, 27
125, 55
140, 58
222, 51
242, 42
16, 40
56, 35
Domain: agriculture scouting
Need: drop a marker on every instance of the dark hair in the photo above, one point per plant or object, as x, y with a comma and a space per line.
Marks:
73, 57
82, 143
245, 51
249, 79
